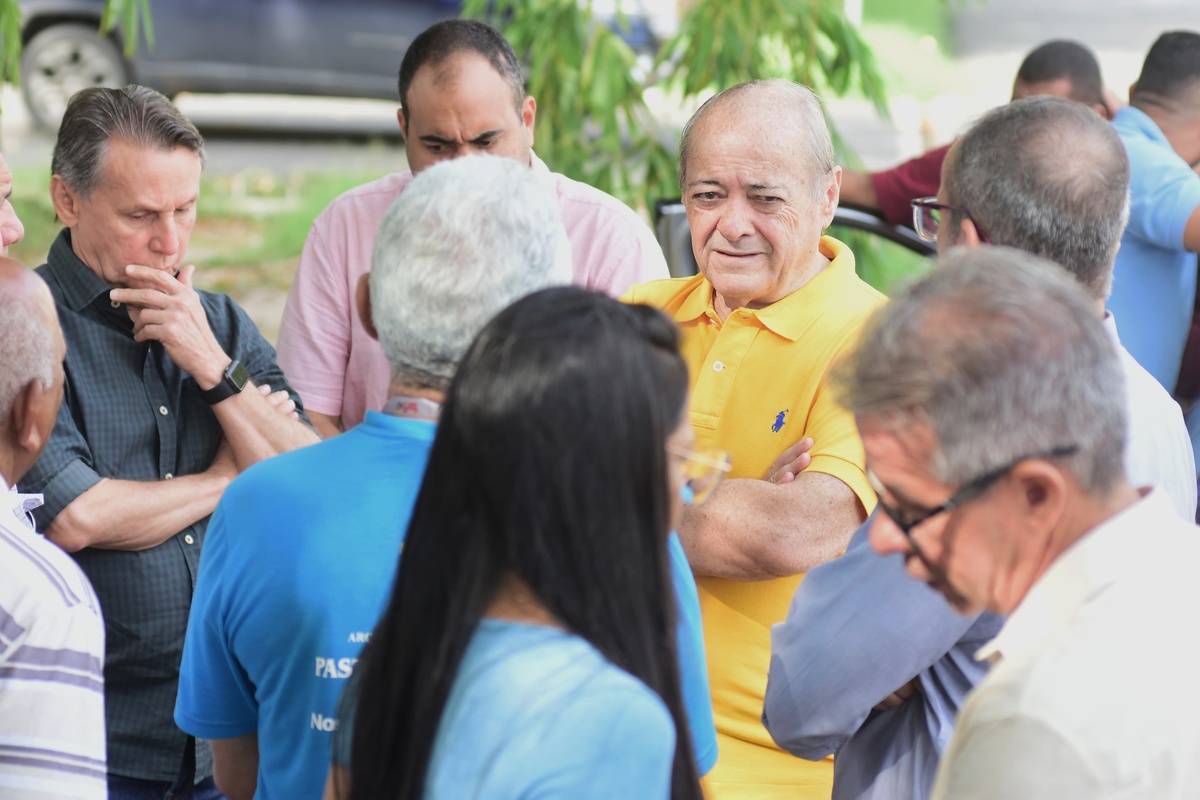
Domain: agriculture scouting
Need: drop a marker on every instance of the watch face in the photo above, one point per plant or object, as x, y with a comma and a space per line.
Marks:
238, 375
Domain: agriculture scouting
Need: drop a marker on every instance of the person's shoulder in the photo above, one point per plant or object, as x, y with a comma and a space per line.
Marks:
577, 198
377, 194
663, 293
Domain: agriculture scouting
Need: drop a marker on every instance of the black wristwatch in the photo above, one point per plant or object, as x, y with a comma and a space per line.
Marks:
232, 382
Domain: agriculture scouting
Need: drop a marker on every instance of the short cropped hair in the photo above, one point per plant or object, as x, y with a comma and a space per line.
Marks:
1171, 69
94, 117
789, 96
1002, 356
437, 43
1047, 176
467, 238
27, 349
1063, 58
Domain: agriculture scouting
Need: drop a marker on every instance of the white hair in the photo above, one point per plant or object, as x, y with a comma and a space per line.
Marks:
467, 238
27, 350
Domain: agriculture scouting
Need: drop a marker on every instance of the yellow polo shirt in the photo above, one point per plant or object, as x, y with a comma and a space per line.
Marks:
759, 385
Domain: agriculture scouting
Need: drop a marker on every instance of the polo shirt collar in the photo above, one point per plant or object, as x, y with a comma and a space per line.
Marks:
79, 284
791, 316
1081, 572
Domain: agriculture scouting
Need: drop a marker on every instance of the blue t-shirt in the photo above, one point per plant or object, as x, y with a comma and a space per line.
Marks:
537, 712
298, 564
1154, 280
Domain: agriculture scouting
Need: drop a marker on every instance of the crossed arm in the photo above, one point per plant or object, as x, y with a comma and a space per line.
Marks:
784, 524
257, 424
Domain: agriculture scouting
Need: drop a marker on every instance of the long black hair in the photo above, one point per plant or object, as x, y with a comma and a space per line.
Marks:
549, 465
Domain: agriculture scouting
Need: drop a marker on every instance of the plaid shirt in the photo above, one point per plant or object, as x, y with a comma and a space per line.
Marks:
130, 413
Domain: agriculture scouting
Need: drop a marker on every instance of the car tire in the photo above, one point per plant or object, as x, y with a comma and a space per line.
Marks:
61, 60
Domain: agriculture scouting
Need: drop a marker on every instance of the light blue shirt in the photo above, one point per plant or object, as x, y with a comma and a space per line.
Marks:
1154, 281
537, 712
858, 629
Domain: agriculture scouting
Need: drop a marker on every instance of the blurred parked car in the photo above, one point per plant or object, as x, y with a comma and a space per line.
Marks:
342, 48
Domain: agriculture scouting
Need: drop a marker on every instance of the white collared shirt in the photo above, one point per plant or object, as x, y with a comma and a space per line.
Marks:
1158, 449
1093, 691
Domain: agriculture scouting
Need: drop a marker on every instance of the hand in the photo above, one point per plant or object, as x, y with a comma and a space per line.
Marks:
281, 401
224, 464
898, 697
790, 463
167, 309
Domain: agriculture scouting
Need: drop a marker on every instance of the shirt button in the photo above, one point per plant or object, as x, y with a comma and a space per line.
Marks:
114, 304
718, 366
188, 538
163, 410
168, 476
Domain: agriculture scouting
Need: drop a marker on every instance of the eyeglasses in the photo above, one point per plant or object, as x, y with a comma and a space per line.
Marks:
966, 493
703, 470
927, 218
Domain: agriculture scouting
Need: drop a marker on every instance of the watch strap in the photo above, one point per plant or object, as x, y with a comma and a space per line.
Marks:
232, 381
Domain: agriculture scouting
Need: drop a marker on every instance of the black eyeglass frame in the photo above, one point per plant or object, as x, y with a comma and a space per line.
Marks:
920, 204
965, 494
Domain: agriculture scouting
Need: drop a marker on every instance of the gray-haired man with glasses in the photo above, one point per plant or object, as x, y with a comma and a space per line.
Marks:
984, 397
868, 664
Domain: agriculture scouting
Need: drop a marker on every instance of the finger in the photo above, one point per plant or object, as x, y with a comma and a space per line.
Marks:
153, 278
145, 298
264, 390
185, 275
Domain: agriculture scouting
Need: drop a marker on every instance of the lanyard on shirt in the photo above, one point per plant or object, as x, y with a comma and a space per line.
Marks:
413, 408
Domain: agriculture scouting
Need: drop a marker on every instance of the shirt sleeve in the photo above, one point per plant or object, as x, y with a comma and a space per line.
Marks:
858, 629
615, 250
65, 468
1165, 193
693, 667
216, 697
1016, 756
247, 345
314, 335
837, 448
896, 188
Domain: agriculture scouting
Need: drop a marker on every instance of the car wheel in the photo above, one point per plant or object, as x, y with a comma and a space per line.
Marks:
60, 61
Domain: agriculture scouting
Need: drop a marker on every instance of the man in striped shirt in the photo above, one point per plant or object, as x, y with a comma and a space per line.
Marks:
52, 741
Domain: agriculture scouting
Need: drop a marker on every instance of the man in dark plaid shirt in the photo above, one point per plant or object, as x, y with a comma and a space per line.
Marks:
168, 396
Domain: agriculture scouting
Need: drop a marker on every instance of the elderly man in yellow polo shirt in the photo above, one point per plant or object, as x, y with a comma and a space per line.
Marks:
774, 305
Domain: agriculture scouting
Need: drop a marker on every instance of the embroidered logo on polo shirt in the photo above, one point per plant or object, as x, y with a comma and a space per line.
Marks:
778, 426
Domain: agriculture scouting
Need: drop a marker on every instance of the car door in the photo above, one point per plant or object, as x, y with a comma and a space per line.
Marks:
343, 47
200, 46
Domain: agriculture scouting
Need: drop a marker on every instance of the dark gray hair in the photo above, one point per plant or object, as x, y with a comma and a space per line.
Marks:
1002, 356
1048, 176
467, 238
94, 117
789, 97
27, 348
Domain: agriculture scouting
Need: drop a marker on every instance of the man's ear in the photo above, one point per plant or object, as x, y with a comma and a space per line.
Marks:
400, 118
831, 196
1042, 494
529, 116
968, 234
362, 296
65, 200
27, 419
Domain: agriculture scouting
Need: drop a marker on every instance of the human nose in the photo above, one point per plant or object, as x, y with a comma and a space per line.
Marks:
166, 236
11, 229
886, 537
736, 221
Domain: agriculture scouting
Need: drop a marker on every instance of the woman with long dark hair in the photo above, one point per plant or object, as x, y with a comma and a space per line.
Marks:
528, 648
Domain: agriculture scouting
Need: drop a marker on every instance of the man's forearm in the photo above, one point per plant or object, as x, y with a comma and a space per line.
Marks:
256, 430
753, 530
136, 515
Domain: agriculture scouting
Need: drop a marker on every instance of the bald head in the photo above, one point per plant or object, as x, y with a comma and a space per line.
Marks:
1047, 176
31, 350
784, 116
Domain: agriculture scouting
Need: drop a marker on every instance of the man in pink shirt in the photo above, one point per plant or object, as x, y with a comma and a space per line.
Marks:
461, 91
